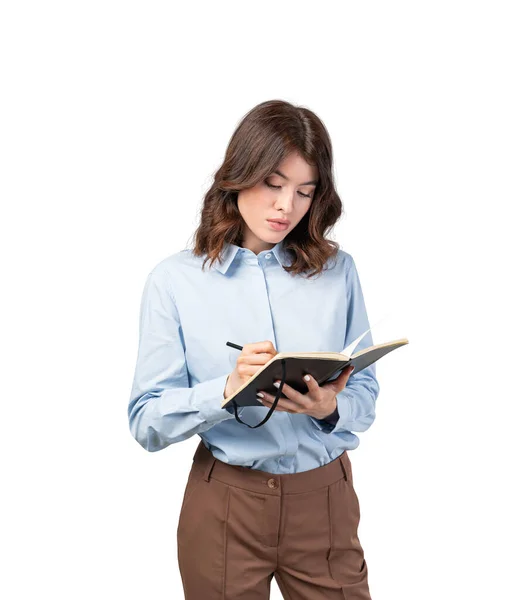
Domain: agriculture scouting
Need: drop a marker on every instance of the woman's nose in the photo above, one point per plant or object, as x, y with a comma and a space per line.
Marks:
285, 201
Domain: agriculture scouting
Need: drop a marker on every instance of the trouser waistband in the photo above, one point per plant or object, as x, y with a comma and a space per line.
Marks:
256, 480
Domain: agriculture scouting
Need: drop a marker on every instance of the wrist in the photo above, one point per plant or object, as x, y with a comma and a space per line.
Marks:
333, 414
333, 418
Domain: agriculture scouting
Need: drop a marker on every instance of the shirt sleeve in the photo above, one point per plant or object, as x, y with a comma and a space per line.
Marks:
163, 408
356, 402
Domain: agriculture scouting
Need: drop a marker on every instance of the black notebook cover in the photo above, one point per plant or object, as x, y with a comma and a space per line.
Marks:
322, 369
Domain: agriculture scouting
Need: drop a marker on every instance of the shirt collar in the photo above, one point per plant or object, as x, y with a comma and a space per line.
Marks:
231, 250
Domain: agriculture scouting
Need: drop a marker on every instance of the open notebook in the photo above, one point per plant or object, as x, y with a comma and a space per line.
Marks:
290, 367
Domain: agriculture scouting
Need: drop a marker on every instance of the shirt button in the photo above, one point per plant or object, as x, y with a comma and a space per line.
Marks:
268, 256
272, 483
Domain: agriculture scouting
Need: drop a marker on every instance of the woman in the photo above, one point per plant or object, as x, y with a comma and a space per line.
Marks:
276, 499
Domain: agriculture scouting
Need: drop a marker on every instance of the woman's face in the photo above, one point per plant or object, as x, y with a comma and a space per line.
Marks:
285, 194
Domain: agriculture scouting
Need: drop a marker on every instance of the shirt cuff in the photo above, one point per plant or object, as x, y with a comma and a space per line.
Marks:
209, 398
230, 409
328, 424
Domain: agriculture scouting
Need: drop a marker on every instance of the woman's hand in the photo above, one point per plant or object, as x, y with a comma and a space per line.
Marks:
318, 402
252, 358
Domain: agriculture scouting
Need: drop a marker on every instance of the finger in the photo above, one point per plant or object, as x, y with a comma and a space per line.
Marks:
255, 347
345, 375
340, 382
260, 358
311, 383
283, 404
300, 401
288, 391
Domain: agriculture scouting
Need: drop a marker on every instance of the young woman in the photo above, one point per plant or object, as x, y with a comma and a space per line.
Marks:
276, 499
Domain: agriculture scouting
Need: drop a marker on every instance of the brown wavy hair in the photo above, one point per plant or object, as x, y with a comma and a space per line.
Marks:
264, 137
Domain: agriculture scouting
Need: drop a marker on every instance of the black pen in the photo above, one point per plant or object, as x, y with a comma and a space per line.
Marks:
234, 346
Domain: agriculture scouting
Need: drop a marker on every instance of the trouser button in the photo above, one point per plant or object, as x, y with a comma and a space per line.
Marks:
272, 483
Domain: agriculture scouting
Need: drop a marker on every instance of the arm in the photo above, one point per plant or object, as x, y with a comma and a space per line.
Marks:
163, 409
356, 403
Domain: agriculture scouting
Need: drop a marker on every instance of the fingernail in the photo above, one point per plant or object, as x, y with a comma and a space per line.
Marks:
307, 377
260, 395
277, 384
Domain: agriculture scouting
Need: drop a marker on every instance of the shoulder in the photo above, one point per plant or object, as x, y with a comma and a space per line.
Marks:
177, 269
342, 260
176, 262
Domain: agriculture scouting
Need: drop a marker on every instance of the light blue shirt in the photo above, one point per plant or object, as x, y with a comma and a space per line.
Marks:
186, 317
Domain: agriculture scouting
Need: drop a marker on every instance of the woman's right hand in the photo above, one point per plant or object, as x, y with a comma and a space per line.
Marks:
252, 358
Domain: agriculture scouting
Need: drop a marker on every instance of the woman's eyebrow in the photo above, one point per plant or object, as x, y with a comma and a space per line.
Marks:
313, 182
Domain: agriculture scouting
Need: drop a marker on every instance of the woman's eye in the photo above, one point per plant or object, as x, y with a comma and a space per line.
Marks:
278, 187
274, 187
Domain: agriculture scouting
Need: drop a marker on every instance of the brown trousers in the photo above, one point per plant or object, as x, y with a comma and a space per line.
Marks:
238, 527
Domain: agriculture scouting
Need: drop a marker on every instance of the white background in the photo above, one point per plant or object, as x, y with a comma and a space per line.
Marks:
114, 117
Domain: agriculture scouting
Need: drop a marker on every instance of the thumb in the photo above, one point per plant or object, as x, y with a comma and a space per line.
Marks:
339, 383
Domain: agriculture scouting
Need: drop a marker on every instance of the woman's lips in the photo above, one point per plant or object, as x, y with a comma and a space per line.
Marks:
278, 226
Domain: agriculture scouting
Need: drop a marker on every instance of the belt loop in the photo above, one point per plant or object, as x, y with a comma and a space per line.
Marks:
343, 467
208, 469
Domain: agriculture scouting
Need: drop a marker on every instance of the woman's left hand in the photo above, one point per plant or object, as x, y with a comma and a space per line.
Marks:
318, 402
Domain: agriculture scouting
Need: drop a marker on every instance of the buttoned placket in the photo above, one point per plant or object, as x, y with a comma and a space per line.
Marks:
264, 260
